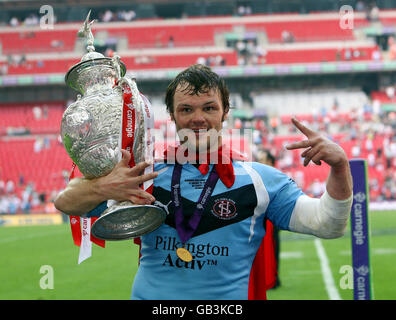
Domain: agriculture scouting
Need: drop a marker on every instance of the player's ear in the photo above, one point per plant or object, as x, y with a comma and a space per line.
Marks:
225, 115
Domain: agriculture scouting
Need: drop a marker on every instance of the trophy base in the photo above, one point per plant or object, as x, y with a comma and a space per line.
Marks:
126, 221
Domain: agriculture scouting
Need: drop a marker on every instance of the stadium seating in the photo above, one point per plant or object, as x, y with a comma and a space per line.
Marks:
27, 41
186, 32
153, 61
382, 97
308, 103
44, 166
48, 162
194, 33
171, 59
317, 55
35, 118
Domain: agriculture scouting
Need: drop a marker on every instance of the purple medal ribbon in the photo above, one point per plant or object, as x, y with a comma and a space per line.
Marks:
186, 229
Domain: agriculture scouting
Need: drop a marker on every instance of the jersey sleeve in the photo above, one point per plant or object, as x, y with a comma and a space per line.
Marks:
283, 193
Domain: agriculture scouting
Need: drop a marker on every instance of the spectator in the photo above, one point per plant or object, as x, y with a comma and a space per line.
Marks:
241, 11
21, 181
31, 20
387, 153
376, 55
356, 150
371, 160
2, 187
57, 43
3, 69
10, 187
360, 6
392, 48
201, 60
347, 54
241, 47
171, 42
390, 92
38, 145
374, 13
317, 188
129, 15
37, 112
107, 16
4, 204
14, 22
287, 36
14, 204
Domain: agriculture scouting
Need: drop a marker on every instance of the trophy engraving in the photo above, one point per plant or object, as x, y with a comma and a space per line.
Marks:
91, 133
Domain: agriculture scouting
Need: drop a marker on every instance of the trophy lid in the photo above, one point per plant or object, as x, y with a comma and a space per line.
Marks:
92, 58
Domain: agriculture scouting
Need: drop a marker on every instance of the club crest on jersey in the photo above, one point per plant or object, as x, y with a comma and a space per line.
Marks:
224, 209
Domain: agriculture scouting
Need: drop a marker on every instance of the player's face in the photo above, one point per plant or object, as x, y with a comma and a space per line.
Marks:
201, 116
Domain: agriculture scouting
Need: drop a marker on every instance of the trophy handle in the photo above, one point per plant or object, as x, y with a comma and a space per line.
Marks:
116, 62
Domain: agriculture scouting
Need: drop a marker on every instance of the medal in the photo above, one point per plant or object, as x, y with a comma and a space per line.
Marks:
186, 228
184, 254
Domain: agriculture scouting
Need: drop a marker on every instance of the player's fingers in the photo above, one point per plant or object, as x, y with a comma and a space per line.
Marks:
141, 201
126, 157
306, 152
314, 155
299, 145
146, 177
310, 152
312, 142
316, 158
144, 195
305, 130
308, 156
139, 168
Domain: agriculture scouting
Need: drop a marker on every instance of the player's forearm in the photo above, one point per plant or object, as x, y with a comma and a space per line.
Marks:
79, 197
325, 217
339, 183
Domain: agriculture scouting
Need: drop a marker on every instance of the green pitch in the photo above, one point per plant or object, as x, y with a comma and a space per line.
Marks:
109, 273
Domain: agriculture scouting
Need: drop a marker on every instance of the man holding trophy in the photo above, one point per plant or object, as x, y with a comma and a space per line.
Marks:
200, 240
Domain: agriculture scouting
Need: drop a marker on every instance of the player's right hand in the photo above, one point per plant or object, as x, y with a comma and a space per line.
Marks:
123, 183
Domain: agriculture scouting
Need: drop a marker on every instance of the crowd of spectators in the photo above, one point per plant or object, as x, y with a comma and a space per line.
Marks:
212, 61
119, 15
250, 53
33, 19
359, 130
27, 200
108, 15
30, 20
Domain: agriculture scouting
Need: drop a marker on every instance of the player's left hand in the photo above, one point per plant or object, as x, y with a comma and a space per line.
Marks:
318, 148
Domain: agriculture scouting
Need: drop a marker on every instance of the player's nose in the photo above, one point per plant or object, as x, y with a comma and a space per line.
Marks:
198, 116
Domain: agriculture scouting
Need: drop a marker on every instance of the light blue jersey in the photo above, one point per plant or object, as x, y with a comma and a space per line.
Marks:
227, 238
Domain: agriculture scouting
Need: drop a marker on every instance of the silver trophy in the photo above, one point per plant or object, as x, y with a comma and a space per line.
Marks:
91, 130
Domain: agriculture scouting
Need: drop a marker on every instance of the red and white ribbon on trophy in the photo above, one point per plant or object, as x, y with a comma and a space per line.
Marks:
129, 122
81, 226
81, 231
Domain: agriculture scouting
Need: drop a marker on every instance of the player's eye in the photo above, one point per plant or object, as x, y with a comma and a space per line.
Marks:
185, 109
210, 108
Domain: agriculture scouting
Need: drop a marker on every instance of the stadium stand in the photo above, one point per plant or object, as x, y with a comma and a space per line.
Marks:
200, 31
353, 118
31, 117
321, 37
48, 166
